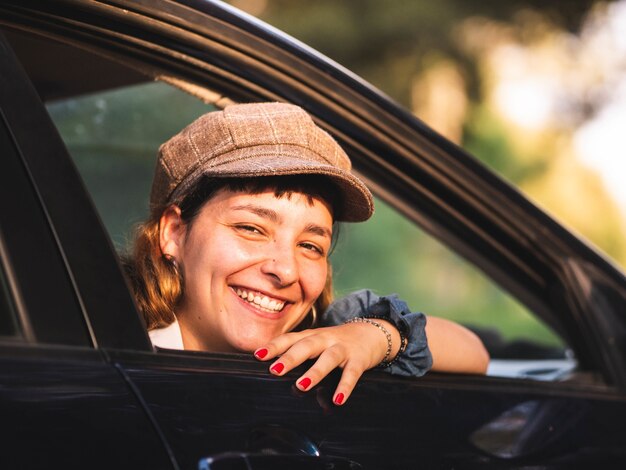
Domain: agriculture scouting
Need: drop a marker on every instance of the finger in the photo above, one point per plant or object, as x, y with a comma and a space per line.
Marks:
328, 361
279, 345
305, 348
349, 378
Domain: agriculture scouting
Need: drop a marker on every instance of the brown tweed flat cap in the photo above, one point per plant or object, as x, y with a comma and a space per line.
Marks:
255, 140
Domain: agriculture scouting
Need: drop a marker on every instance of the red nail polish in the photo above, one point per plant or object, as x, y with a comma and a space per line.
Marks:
261, 353
278, 367
339, 399
305, 383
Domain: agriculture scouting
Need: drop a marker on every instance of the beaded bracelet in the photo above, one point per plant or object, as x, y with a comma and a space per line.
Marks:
403, 342
384, 362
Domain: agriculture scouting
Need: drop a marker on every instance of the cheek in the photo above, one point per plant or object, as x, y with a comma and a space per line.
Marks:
314, 279
209, 255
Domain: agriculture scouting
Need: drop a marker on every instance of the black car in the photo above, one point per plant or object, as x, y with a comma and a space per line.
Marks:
80, 383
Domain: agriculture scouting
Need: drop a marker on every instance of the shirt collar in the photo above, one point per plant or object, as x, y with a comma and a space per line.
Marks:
169, 337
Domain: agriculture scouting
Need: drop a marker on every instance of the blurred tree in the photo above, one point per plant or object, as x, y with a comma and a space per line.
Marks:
389, 42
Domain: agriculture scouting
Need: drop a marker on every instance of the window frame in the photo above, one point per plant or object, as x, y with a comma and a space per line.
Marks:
41, 292
213, 51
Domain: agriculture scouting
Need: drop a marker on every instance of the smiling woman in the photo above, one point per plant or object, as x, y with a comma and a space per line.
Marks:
234, 257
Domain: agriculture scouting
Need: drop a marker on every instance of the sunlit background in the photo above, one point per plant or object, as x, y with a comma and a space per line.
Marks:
535, 89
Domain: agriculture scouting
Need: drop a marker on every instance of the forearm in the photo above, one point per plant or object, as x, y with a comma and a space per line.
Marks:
454, 348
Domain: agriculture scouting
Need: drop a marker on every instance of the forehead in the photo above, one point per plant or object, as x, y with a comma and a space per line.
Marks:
288, 202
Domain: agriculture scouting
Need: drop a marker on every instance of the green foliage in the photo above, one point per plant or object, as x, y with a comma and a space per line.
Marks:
486, 137
389, 254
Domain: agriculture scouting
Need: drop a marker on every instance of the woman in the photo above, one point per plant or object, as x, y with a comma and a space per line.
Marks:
234, 256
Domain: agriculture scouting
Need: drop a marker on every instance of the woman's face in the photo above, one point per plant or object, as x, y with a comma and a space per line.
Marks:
253, 265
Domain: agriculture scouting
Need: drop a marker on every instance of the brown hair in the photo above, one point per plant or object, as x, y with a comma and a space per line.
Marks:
155, 280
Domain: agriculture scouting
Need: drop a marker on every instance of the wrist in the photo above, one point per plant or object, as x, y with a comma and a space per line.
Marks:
398, 342
395, 341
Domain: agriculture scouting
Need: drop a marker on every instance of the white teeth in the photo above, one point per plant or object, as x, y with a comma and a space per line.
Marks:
261, 301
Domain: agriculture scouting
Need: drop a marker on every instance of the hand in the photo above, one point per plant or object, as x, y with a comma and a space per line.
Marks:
355, 347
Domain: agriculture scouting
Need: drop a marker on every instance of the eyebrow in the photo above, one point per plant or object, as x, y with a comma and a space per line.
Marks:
318, 230
260, 211
273, 216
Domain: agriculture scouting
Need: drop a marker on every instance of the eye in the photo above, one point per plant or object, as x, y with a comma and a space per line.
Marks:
313, 248
250, 229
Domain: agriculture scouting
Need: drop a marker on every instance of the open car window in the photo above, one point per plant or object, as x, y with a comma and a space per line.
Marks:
113, 137
113, 132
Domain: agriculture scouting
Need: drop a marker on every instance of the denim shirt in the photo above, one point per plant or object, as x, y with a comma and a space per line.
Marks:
416, 359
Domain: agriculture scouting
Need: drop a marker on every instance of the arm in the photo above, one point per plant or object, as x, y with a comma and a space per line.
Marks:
443, 345
455, 348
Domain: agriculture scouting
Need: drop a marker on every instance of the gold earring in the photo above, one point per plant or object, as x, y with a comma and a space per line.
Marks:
173, 262
313, 315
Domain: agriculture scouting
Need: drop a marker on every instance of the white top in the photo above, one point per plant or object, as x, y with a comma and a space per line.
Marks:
169, 337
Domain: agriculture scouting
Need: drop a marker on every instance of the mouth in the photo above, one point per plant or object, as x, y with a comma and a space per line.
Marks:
260, 301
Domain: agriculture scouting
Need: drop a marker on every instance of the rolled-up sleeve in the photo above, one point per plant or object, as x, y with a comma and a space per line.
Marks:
416, 359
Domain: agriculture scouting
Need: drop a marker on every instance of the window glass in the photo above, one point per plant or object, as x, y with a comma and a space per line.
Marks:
114, 136
390, 254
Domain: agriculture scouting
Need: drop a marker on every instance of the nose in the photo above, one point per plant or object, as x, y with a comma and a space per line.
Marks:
281, 265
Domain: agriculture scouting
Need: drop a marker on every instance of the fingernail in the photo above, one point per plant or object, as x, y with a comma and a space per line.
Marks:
339, 399
305, 383
261, 353
278, 367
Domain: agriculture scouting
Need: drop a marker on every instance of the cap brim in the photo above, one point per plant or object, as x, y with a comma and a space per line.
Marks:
356, 204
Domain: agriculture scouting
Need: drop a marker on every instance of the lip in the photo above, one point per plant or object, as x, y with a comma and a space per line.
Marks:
259, 312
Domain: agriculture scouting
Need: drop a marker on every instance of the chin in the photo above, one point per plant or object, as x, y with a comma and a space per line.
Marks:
249, 342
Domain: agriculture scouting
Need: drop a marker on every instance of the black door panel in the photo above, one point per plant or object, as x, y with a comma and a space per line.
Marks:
207, 406
63, 409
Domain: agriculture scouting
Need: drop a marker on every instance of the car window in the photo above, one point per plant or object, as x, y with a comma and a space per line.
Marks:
113, 137
390, 254
38, 301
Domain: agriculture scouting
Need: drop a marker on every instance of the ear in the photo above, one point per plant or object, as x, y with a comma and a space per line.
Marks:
171, 232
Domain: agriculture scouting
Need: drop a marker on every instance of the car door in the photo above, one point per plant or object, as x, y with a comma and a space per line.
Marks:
220, 408
62, 404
